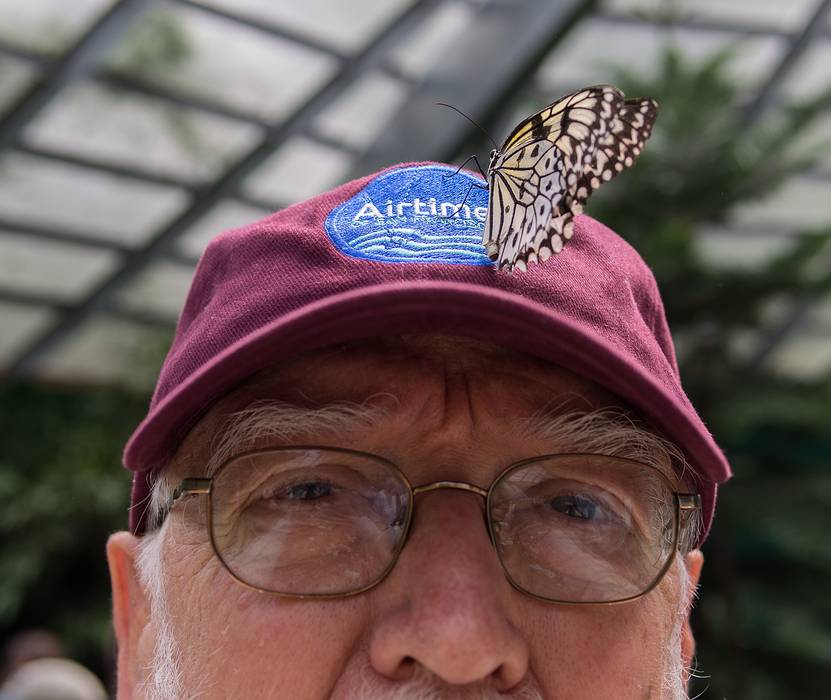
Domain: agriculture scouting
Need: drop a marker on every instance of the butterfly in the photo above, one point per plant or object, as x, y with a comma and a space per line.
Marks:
551, 163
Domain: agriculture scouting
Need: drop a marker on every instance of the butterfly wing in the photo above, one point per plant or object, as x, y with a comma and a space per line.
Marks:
526, 187
548, 167
622, 144
574, 115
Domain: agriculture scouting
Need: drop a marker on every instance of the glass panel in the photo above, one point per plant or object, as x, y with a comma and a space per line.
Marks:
48, 26
35, 190
801, 357
787, 16
21, 325
426, 44
64, 271
15, 77
300, 169
117, 126
593, 52
108, 351
810, 76
345, 25
722, 248
802, 203
224, 216
816, 141
200, 54
362, 110
160, 288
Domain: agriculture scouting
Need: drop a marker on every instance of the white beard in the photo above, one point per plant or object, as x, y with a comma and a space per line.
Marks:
164, 675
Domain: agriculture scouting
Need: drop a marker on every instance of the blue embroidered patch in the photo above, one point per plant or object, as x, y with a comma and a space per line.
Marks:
412, 215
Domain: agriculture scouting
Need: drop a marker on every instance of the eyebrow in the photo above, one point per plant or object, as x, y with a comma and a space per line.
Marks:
611, 431
282, 421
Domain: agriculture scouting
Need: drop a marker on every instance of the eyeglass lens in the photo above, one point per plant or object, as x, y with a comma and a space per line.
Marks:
583, 528
321, 521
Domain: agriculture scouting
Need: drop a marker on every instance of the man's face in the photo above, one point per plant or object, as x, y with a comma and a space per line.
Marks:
445, 618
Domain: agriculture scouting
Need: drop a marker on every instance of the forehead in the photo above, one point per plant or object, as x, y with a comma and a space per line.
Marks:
399, 364
418, 377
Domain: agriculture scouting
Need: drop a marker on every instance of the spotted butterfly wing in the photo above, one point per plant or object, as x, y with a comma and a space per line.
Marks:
618, 149
549, 166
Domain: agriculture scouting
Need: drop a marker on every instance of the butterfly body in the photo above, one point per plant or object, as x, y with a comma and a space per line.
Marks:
551, 163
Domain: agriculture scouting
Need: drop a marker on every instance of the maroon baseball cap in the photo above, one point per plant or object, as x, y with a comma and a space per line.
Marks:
394, 253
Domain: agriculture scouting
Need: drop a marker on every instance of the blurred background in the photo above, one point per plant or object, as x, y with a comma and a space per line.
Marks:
133, 131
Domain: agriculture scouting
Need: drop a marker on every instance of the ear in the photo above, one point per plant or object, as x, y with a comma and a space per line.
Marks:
131, 609
694, 561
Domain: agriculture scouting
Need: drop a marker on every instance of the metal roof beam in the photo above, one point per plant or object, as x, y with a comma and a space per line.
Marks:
693, 24
473, 77
290, 35
48, 302
799, 45
207, 106
67, 237
801, 307
48, 232
269, 29
254, 201
7, 49
792, 321
29, 298
106, 167
78, 61
371, 56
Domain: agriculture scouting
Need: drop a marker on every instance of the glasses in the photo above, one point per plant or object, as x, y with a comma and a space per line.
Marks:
324, 522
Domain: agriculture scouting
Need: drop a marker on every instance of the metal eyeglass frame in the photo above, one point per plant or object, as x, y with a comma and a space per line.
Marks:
685, 505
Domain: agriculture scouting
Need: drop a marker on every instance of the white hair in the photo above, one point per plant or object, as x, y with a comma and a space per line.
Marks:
608, 431
164, 676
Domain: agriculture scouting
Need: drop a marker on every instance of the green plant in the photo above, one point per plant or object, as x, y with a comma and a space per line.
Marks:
763, 622
62, 492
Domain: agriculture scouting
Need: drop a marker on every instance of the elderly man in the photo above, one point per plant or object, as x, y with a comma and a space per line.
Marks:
376, 467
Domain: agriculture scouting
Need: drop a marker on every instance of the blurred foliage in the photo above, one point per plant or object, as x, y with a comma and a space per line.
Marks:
156, 48
62, 492
763, 622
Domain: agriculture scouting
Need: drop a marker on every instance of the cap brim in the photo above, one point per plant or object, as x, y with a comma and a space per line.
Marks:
451, 308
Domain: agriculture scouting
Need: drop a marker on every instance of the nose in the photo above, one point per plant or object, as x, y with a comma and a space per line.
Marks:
446, 603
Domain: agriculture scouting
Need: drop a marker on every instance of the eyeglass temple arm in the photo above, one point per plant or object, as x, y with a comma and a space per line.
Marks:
189, 486
689, 501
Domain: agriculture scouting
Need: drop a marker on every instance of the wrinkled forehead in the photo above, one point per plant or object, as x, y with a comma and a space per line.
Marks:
411, 375
398, 365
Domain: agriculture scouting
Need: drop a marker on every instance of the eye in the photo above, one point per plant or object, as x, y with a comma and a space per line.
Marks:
308, 491
574, 506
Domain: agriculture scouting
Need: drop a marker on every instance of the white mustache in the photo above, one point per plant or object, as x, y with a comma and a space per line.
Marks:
424, 685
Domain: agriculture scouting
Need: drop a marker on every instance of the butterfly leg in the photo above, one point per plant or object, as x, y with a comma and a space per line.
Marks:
478, 166
467, 194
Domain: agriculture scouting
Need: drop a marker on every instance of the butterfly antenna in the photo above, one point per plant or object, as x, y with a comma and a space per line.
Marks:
456, 109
